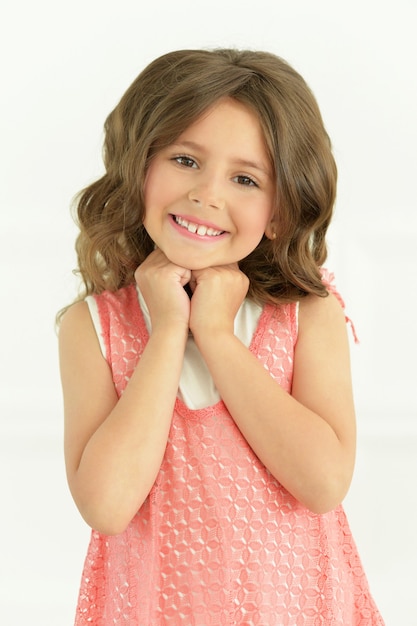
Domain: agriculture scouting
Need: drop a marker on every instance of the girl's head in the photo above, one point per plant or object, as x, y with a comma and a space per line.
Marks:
172, 93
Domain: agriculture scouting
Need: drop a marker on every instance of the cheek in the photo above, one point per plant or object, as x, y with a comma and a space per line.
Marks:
148, 186
160, 189
257, 221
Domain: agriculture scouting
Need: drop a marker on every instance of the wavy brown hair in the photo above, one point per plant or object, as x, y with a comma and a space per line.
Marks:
168, 96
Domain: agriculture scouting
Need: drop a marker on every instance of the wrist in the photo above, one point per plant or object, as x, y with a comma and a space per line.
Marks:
213, 338
170, 327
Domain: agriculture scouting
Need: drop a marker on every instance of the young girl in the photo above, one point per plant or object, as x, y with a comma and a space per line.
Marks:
209, 420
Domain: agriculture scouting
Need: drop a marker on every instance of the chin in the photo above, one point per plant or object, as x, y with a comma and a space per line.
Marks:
189, 262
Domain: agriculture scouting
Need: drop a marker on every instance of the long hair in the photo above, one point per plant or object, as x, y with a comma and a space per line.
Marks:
169, 95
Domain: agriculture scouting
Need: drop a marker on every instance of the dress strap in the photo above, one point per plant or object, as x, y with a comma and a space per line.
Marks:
328, 279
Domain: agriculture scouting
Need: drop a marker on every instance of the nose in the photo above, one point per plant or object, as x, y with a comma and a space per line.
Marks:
207, 195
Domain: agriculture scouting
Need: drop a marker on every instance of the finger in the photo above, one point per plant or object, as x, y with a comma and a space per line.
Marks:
185, 275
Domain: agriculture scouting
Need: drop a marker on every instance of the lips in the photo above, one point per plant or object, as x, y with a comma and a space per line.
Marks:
197, 229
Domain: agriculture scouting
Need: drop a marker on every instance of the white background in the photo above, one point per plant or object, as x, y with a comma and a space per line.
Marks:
64, 67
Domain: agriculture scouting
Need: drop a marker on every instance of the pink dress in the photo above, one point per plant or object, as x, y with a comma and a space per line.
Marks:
219, 541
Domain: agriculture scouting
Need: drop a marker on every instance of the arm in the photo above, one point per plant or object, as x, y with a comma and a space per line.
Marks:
307, 439
114, 448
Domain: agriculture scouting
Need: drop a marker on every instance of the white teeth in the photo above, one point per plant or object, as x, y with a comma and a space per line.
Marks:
200, 229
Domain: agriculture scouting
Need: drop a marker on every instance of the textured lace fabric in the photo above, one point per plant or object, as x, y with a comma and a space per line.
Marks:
219, 541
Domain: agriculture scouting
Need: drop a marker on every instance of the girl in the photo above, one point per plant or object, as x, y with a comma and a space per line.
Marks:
209, 420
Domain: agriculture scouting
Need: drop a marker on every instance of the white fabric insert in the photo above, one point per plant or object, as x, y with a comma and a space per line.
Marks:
196, 386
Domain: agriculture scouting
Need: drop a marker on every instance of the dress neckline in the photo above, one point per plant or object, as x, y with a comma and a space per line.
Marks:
180, 406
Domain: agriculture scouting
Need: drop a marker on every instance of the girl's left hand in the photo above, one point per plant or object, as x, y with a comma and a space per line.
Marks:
218, 293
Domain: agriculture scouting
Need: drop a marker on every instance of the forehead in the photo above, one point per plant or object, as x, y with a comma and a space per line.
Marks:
227, 110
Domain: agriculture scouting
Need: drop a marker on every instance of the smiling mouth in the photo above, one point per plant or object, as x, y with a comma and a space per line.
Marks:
198, 229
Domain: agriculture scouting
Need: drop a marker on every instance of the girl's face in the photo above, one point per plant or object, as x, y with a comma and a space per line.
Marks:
209, 197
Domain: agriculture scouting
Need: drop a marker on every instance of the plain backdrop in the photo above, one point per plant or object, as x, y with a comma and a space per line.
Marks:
64, 67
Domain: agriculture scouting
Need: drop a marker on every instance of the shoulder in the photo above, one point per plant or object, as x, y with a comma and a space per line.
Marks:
321, 321
83, 365
322, 347
77, 328
77, 314
315, 309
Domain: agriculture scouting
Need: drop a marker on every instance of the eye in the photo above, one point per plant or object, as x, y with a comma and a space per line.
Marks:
185, 161
246, 181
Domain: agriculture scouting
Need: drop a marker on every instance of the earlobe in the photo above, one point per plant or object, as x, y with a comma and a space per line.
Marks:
270, 231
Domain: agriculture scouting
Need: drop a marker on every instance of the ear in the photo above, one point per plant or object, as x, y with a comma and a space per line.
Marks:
270, 230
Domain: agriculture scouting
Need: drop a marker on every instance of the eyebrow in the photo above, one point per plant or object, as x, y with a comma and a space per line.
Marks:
242, 162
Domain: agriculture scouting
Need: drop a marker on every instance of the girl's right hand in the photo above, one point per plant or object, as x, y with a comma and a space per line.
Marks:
162, 286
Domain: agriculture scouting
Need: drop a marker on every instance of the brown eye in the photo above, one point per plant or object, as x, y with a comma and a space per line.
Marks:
185, 161
246, 180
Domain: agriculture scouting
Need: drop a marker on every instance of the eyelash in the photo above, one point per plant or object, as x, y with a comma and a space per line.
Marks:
183, 159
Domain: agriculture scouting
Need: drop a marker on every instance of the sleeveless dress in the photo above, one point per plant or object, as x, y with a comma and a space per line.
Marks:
219, 541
